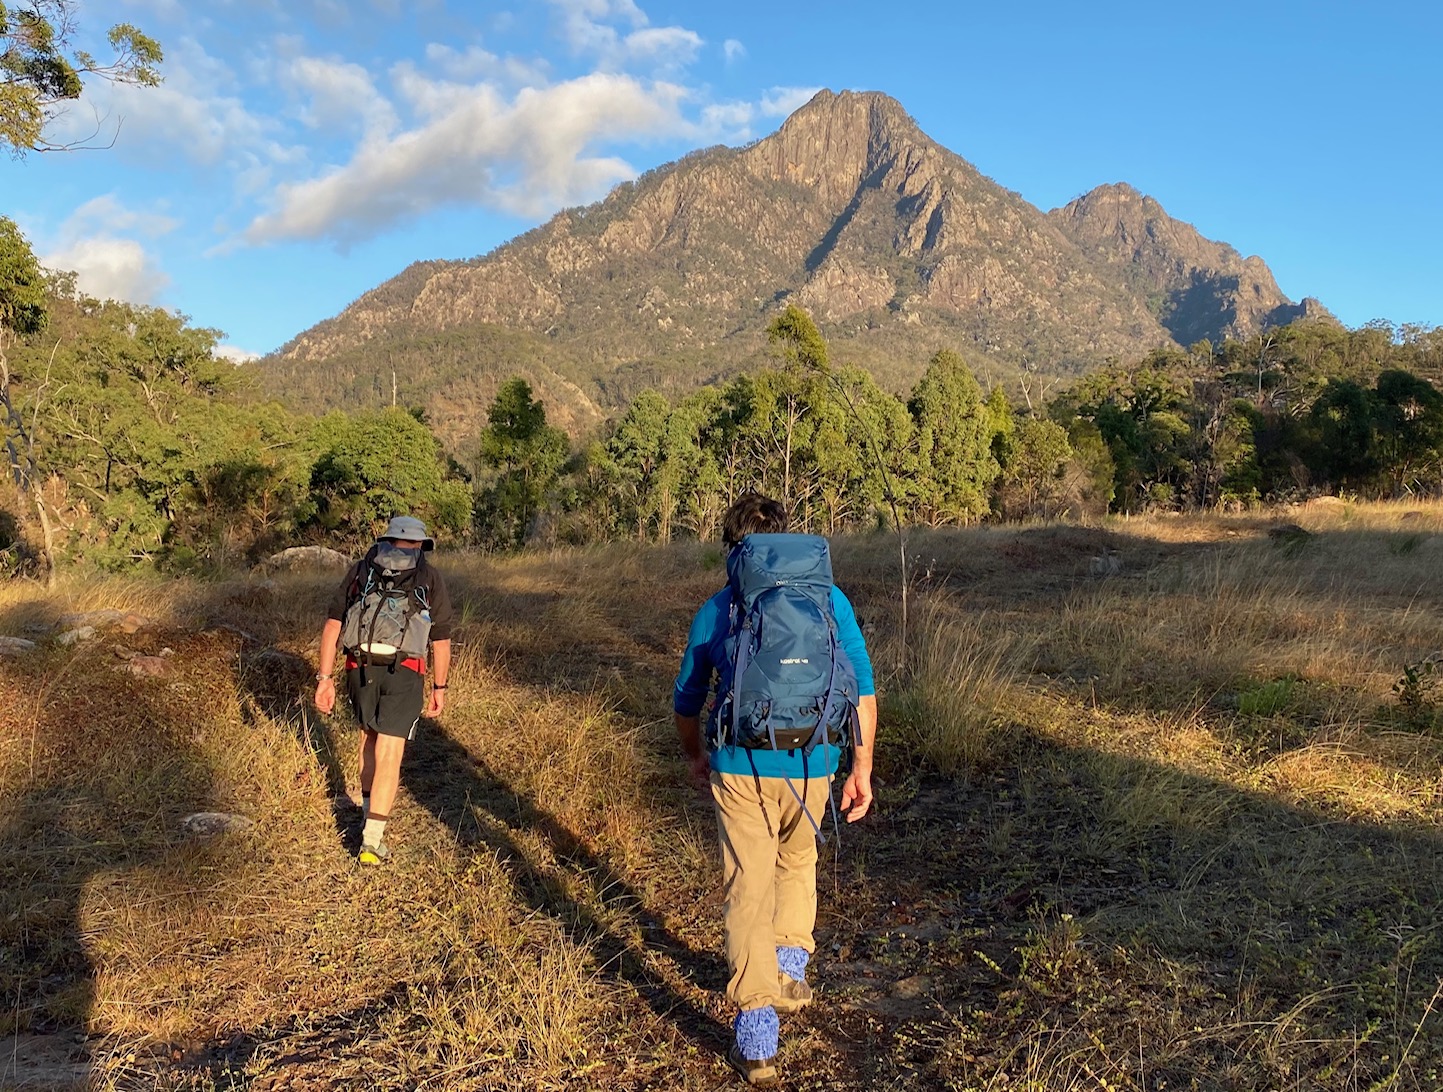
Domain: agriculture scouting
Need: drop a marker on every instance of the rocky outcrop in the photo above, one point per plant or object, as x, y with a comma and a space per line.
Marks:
1198, 288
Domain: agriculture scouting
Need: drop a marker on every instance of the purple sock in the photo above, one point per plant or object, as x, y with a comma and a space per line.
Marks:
757, 1032
792, 962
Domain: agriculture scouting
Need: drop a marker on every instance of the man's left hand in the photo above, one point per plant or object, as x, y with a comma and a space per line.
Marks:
857, 794
436, 703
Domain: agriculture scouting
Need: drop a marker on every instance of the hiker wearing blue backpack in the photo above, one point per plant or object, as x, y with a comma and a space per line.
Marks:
391, 610
780, 649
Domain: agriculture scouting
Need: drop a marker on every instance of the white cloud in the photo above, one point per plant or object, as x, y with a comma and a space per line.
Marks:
109, 267
476, 63
778, 102
669, 48
733, 50
91, 243
728, 120
582, 26
586, 28
106, 214
235, 354
340, 95
527, 155
197, 112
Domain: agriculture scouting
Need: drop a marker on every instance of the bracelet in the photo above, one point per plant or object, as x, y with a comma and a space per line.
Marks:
438, 686
322, 678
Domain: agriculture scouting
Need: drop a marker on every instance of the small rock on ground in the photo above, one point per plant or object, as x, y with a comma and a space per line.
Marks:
154, 667
206, 824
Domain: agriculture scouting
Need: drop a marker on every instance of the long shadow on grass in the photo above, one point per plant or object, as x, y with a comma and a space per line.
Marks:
1155, 924
467, 796
278, 685
110, 765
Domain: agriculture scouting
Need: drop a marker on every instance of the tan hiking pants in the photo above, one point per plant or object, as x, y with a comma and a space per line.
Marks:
769, 875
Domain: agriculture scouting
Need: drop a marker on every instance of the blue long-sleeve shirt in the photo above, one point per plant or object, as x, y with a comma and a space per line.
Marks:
706, 654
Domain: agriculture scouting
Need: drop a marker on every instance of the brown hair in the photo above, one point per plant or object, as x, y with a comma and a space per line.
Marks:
752, 514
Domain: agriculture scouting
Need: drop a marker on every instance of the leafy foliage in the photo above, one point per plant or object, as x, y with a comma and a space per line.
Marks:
40, 71
523, 456
1308, 408
371, 466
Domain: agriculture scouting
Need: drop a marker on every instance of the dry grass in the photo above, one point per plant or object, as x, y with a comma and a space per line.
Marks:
1168, 828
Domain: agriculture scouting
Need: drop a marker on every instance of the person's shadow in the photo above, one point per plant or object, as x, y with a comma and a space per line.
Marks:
99, 770
467, 796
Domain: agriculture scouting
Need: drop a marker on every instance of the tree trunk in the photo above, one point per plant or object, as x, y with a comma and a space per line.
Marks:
48, 533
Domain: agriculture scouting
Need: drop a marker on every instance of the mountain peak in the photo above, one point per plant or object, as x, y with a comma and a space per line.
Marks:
835, 141
894, 243
1200, 288
849, 107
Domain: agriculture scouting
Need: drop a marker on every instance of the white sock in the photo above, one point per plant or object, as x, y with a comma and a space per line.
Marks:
371, 836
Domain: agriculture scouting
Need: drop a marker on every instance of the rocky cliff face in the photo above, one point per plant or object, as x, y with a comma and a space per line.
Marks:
895, 244
1198, 288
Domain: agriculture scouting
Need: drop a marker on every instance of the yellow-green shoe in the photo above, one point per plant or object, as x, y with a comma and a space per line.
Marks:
373, 855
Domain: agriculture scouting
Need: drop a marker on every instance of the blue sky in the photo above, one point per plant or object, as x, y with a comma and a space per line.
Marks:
302, 151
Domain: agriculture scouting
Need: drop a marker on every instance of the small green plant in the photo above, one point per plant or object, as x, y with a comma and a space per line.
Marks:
1267, 699
1417, 690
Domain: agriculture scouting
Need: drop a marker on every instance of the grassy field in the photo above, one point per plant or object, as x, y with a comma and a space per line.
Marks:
1174, 826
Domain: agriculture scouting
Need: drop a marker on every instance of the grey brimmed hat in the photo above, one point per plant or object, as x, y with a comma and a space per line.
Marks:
409, 529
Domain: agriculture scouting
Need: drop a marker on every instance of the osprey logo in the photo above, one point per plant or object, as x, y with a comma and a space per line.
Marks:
797, 660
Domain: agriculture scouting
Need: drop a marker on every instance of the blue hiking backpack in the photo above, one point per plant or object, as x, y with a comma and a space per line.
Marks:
791, 684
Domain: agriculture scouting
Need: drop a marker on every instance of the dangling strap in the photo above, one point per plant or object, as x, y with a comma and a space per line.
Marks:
744, 656
831, 695
761, 800
821, 838
832, 797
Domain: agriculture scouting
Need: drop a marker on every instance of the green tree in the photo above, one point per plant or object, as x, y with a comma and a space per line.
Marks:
641, 472
955, 465
521, 458
1034, 480
1090, 472
375, 465
1344, 420
41, 70
23, 312
1410, 430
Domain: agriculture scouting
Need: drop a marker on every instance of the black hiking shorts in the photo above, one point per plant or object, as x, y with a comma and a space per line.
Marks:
390, 701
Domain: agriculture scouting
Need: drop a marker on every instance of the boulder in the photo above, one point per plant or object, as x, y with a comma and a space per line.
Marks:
13, 646
79, 618
125, 621
304, 557
134, 623
74, 636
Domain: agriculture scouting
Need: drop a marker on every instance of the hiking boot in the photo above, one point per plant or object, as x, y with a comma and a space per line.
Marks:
373, 855
792, 996
762, 1074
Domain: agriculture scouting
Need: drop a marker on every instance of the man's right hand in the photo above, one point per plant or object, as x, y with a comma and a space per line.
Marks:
700, 769
326, 694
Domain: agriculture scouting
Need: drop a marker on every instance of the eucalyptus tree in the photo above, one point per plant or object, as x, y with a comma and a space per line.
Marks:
42, 69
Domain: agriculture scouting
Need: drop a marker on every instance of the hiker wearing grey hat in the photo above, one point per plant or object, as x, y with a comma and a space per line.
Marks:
390, 611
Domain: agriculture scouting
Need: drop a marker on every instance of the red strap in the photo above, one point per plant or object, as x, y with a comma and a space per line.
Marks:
412, 664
